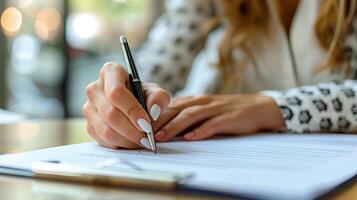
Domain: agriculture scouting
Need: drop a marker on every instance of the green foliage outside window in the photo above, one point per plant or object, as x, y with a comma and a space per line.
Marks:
112, 9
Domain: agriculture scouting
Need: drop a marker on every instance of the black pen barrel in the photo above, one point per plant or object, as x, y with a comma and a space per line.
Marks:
138, 93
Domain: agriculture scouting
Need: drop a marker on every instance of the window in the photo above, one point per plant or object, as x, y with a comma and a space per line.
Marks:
53, 49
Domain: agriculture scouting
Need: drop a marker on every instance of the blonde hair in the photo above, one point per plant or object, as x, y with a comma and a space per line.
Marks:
243, 19
332, 26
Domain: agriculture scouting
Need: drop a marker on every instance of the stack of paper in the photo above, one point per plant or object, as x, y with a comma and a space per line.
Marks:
267, 166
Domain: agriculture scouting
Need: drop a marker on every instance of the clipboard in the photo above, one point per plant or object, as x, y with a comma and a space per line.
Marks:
146, 179
219, 169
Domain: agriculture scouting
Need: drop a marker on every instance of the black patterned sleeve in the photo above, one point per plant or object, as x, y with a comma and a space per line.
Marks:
326, 107
173, 42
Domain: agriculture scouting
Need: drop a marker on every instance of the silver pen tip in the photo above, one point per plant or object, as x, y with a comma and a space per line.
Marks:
123, 39
152, 141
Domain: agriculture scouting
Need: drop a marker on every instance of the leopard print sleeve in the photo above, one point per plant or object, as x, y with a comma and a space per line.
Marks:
173, 42
326, 107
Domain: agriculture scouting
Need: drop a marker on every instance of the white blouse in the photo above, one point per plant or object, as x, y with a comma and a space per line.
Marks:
284, 64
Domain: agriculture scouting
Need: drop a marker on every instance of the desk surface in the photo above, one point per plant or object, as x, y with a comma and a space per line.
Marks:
31, 135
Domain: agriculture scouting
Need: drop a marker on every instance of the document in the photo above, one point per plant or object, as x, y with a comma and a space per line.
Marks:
264, 166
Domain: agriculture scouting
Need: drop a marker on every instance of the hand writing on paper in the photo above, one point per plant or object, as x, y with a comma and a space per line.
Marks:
218, 114
113, 112
115, 118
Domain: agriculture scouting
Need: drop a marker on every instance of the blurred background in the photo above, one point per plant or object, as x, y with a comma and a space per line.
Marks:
51, 49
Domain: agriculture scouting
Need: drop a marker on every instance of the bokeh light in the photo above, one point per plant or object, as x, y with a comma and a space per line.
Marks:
82, 28
47, 21
25, 47
86, 25
11, 21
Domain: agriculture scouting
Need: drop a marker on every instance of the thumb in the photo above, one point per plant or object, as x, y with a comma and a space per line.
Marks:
157, 99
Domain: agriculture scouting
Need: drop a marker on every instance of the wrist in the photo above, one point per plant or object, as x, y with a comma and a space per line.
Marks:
271, 117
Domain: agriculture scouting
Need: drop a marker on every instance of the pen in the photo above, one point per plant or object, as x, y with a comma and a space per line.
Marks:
135, 82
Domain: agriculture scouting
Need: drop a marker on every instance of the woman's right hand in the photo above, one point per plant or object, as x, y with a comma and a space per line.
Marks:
115, 118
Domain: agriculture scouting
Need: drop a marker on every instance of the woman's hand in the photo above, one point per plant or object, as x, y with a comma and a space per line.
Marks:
115, 118
204, 116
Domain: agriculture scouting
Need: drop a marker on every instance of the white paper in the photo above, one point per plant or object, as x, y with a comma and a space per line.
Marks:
274, 166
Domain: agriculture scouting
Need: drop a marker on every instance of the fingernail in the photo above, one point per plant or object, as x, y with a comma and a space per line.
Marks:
159, 135
145, 142
144, 125
155, 111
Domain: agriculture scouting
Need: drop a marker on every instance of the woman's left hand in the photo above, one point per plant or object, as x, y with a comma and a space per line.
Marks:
204, 116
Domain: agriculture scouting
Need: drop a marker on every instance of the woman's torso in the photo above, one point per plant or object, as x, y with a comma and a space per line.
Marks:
282, 60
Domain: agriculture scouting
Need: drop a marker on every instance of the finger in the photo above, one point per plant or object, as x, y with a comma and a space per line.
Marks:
116, 120
224, 124
207, 129
115, 79
177, 105
157, 99
183, 102
93, 134
112, 143
102, 132
187, 118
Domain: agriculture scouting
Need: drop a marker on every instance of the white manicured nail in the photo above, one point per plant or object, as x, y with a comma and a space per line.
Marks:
155, 111
145, 142
144, 125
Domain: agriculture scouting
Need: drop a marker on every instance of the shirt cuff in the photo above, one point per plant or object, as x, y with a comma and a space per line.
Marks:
289, 113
